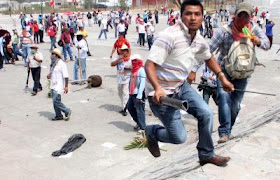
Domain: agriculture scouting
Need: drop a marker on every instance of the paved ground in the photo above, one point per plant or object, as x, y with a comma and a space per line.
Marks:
29, 137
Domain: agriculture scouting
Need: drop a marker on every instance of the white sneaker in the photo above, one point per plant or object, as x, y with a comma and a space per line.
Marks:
136, 127
139, 132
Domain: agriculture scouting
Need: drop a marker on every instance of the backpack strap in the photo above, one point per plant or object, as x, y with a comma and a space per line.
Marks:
227, 28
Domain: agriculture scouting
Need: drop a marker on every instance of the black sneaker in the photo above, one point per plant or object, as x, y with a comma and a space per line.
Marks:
57, 118
152, 146
33, 93
67, 115
124, 113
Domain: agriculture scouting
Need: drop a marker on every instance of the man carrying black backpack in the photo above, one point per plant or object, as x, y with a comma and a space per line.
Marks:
237, 59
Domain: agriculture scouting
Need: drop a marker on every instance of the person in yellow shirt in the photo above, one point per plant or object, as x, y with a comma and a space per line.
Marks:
83, 31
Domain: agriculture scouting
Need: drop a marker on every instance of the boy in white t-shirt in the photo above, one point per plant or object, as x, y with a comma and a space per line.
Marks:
123, 64
59, 82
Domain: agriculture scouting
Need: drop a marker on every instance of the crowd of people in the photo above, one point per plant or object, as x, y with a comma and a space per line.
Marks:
167, 72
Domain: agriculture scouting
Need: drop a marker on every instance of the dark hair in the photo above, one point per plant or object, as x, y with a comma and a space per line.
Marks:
191, 2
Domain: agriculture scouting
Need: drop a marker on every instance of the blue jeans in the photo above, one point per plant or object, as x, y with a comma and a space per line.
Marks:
116, 31
101, 32
53, 39
174, 130
229, 104
16, 50
66, 48
76, 68
25, 52
137, 111
58, 105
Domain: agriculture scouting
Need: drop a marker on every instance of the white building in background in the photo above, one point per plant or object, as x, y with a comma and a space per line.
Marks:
109, 3
112, 3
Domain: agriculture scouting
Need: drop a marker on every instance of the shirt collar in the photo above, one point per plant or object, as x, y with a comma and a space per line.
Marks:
186, 30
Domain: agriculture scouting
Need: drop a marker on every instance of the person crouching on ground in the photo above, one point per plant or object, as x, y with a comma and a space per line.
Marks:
136, 101
34, 63
59, 82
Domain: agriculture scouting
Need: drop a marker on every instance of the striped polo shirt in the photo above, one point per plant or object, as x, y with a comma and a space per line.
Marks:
25, 39
174, 53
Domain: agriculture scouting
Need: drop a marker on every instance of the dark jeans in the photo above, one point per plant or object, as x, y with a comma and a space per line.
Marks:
58, 105
210, 91
36, 37
229, 104
137, 111
16, 50
109, 24
270, 40
156, 17
36, 75
150, 41
41, 34
7, 56
1, 61
142, 38
174, 131
72, 37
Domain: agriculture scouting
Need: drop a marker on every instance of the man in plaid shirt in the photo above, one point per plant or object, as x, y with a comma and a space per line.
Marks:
229, 103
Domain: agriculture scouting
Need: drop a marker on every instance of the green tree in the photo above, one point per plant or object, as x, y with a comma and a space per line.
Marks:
123, 4
88, 4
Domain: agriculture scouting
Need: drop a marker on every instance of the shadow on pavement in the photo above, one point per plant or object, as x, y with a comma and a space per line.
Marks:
46, 114
126, 127
111, 76
110, 107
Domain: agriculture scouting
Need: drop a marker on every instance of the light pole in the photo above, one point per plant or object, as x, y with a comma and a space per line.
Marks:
41, 8
30, 7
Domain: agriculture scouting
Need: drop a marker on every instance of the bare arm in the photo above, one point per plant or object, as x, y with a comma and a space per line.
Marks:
38, 60
66, 85
113, 51
214, 66
114, 63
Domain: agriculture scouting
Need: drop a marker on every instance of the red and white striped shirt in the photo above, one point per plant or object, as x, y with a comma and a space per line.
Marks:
174, 53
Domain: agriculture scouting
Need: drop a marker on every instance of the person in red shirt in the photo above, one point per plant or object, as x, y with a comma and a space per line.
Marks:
52, 30
256, 11
35, 30
118, 44
66, 39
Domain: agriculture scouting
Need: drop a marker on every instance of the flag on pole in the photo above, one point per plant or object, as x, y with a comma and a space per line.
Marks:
51, 2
